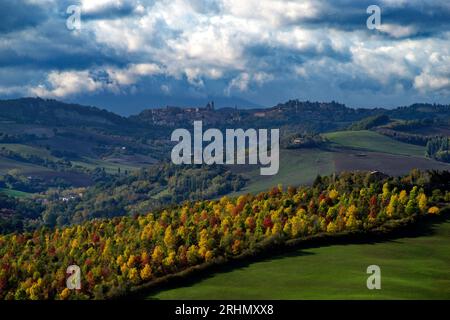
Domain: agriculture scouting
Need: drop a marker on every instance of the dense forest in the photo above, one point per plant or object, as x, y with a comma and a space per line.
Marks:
112, 195
19, 214
370, 122
118, 254
140, 191
438, 148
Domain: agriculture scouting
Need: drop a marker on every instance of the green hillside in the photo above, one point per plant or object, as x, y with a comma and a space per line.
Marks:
372, 141
15, 193
24, 167
297, 167
28, 150
413, 267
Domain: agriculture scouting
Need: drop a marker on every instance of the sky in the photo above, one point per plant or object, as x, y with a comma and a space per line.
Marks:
127, 55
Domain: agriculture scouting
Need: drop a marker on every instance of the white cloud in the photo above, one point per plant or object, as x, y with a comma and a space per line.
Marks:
131, 74
435, 76
398, 31
67, 83
94, 6
273, 12
426, 82
243, 81
62, 84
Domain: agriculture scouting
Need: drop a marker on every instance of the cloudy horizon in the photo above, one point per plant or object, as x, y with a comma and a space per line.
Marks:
134, 54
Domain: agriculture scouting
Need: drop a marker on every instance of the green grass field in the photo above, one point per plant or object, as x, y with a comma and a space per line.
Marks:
297, 167
15, 193
416, 266
372, 141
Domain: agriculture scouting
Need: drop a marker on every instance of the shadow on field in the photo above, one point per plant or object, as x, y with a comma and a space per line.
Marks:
424, 226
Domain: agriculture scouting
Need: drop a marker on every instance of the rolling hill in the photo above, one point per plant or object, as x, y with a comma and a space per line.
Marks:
345, 151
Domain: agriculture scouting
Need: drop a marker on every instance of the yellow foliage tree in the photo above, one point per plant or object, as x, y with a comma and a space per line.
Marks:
333, 194
276, 228
157, 255
169, 238
391, 209
332, 228
146, 272
133, 275
209, 255
64, 295
203, 243
131, 261
403, 197
351, 222
422, 202
433, 211
170, 260
236, 247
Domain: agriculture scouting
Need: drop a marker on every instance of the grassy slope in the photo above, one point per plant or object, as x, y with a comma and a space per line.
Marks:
25, 149
8, 164
15, 193
372, 141
413, 267
23, 167
303, 165
297, 167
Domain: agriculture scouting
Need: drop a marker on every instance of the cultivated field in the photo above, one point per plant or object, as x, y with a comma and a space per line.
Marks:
390, 164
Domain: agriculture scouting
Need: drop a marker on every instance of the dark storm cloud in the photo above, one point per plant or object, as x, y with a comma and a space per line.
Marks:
280, 59
112, 12
19, 15
53, 46
428, 17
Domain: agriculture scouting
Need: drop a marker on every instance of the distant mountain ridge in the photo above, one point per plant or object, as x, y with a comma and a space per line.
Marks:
305, 115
